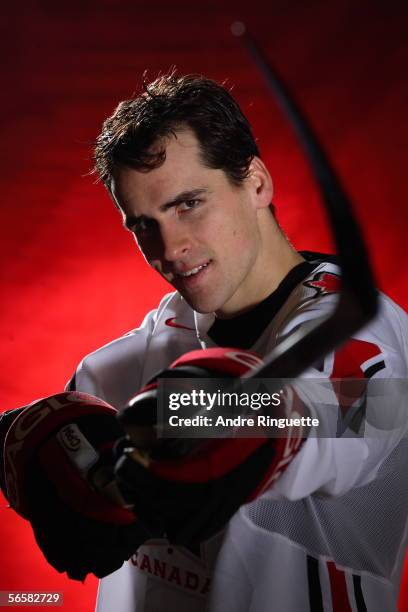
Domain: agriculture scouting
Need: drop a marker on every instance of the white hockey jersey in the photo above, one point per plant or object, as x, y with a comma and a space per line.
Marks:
330, 533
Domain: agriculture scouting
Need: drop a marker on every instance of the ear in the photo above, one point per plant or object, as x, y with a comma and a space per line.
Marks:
260, 182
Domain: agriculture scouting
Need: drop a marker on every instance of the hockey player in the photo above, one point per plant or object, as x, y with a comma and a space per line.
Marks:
325, 526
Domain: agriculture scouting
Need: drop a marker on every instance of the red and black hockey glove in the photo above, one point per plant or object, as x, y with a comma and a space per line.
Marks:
57, 472
191, 498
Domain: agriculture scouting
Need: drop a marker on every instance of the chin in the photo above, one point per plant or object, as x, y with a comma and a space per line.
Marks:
203, 306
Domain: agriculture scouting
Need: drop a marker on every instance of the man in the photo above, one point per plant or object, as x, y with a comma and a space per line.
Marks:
183, 168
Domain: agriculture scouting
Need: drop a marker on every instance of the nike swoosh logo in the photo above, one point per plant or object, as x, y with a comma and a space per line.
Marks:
171, 323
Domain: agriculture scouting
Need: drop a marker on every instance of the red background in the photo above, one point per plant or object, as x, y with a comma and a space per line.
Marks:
71, 278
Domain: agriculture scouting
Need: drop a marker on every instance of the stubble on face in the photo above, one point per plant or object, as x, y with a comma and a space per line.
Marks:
209, 253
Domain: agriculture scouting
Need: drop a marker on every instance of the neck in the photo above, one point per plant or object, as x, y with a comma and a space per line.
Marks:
275, 259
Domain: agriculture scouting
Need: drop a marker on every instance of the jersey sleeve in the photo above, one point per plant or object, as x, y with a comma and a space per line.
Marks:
114, 372
357, 393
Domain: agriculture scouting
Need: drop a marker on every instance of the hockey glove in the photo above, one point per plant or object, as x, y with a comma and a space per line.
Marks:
191, 498
57, 472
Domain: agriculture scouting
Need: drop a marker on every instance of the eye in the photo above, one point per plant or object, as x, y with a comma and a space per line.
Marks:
143, 227
188, 205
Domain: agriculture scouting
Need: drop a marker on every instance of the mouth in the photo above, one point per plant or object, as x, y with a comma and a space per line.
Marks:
192, 276
193, 271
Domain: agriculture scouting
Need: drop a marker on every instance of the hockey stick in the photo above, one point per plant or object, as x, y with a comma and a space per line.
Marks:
357, 303
357, 300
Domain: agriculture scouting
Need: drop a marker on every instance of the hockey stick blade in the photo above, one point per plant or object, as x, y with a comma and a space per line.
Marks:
358, 301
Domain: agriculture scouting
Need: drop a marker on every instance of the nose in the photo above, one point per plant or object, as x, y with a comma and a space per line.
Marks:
175, 240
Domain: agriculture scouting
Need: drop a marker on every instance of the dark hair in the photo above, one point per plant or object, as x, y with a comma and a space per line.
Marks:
168, 104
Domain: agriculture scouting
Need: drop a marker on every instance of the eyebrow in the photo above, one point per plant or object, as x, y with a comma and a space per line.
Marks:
131, 221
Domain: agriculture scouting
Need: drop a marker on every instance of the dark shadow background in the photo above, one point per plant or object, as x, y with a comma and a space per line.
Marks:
71, 278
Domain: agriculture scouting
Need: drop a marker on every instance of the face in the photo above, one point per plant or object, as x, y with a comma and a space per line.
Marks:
199, 231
